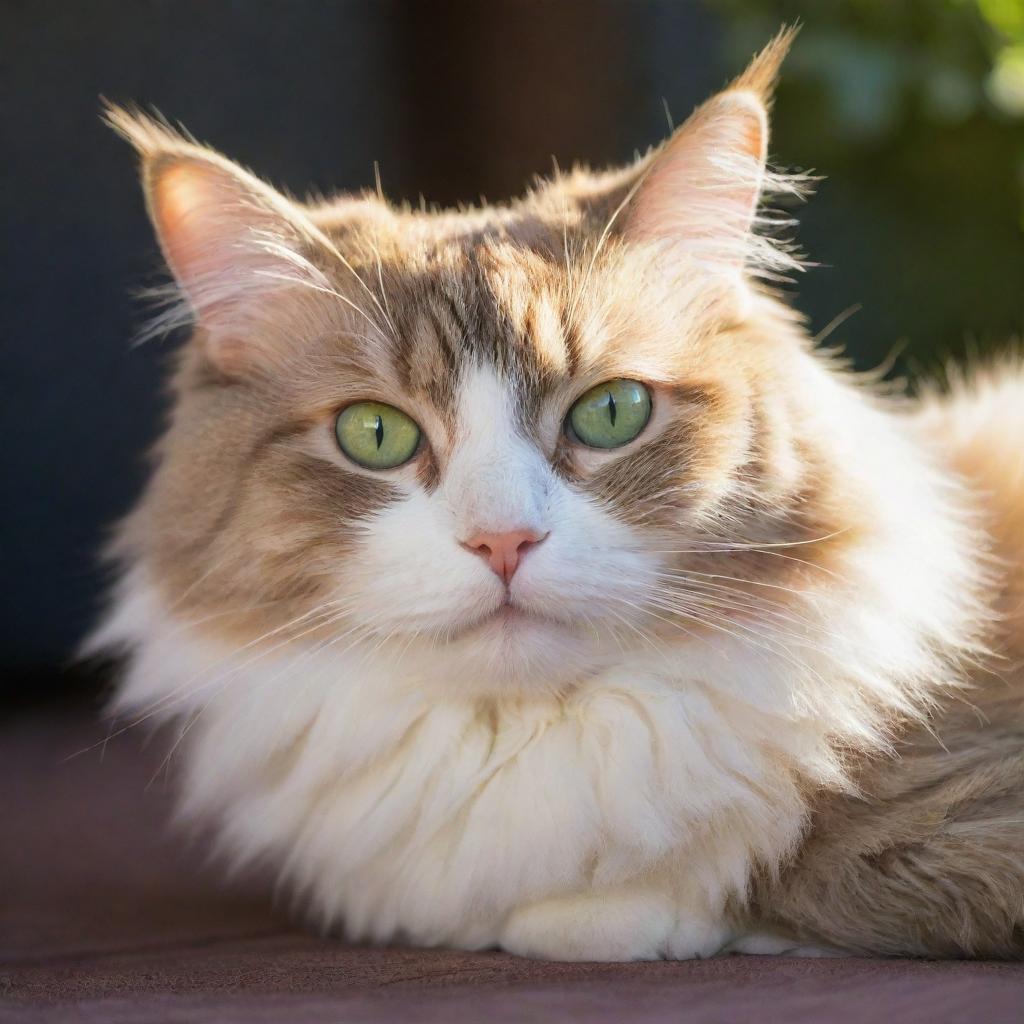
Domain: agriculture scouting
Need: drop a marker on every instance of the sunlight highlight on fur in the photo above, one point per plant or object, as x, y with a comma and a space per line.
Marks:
767, 609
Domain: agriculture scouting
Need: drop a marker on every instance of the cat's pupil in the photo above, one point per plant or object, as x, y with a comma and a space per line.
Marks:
379, 430
611, 408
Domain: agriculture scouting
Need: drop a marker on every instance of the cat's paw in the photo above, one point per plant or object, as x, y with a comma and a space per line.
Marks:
611, 926
606, 927
697, 938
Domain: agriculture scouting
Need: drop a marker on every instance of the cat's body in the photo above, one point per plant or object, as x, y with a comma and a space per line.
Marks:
928, 858
640, 734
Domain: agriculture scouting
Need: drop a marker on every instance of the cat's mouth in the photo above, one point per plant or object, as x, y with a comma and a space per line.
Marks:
507, 618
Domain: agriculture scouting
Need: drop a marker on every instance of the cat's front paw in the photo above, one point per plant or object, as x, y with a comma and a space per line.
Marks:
696, 938
609, 927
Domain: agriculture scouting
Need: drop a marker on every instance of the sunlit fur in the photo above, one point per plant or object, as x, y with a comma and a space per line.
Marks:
729, 618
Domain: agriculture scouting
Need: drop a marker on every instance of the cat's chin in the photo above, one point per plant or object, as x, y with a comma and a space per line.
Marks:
504, 625
514, 649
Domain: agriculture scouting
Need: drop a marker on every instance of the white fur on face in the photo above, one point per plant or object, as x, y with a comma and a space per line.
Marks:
413, 581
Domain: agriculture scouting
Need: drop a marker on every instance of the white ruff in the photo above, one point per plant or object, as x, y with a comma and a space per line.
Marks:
400, 814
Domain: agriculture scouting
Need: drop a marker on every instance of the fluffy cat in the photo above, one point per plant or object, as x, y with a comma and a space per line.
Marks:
520, 576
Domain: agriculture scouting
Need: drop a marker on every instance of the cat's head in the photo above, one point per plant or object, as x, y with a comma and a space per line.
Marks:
502, 443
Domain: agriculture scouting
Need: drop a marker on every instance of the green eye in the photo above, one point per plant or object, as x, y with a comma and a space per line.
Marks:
611, 414
376, 436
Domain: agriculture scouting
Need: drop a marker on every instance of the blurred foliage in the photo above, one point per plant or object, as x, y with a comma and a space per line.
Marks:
913, 110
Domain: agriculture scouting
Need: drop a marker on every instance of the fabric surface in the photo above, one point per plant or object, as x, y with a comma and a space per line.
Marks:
108, 914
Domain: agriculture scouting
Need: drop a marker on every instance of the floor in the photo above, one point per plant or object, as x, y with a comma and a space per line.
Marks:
107, 914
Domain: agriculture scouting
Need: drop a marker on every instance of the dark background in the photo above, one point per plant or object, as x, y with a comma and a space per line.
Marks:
913, 110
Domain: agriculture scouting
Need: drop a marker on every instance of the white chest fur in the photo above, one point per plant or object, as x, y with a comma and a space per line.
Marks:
652, 787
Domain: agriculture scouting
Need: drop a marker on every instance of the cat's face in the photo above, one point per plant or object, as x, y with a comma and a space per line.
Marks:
520, 532
495, 445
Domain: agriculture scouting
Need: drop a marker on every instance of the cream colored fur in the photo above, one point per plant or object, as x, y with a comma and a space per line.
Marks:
728, 616
613, 819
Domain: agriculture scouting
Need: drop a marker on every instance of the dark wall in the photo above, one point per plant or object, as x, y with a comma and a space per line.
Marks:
454, 100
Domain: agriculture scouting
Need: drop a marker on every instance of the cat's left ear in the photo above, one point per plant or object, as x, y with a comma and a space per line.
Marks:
699, 194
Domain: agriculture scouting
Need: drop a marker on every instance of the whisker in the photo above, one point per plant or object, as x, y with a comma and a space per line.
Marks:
288, 669
176, 695
716, 545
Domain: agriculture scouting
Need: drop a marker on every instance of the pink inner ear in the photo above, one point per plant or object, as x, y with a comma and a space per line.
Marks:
204, 218
231, 242
701, 194
178, 192
179, 189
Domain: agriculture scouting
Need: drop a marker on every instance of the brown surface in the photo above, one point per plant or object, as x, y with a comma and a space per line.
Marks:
105, 916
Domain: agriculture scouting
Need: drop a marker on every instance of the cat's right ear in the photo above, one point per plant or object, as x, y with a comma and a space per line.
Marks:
227, 237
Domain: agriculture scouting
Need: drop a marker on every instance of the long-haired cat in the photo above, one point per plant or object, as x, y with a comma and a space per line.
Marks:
520, 576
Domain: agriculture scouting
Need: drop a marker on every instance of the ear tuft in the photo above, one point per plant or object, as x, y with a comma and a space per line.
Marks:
700, 195
146, 133
762, 73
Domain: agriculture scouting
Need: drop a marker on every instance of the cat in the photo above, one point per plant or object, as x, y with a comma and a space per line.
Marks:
522, 576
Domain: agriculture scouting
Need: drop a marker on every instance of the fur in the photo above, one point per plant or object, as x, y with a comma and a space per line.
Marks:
704, 706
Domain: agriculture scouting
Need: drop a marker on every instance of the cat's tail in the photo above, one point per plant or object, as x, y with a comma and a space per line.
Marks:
979, 424
927, 858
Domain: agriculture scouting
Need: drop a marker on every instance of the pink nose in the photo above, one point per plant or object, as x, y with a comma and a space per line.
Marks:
503, 551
